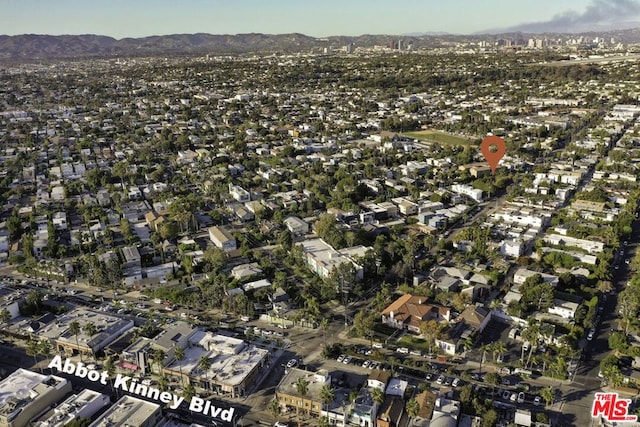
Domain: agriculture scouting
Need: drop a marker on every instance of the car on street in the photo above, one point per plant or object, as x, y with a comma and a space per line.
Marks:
520, 397
292, 363
347, 360
456, 382
341, 358
280, 424
537, 400
440, 379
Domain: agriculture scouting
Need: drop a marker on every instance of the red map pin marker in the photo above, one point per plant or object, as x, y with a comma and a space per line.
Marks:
493, 149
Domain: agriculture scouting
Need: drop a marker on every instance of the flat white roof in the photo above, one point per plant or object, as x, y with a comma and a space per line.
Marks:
128, 411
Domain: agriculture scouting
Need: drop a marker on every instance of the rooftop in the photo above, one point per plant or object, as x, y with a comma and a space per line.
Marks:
127, 412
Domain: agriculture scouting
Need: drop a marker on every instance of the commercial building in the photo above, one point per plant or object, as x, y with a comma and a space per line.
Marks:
107, 329
24, 395
130, 411
139, 356
85, 405
219, 363
311, 402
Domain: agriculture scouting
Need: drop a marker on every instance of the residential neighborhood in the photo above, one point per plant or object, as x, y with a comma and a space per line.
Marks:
316, 238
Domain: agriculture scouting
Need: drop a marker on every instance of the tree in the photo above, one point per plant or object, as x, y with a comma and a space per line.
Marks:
189, 392
275, 408
74, 329
33, 349
158, 359
327, 395
548, 394
377, 395
110, 369
90, 330
490, 418
324, 324
204, 363
363, 323
5, 316
497, 349
302, 387
413, 408
430, 330
618, 341
179, 355
44, 348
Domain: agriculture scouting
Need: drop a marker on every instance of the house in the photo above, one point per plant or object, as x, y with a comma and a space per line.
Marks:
563, 308
222, 238
409, 311
390, 412
378, 379
239, 194
296, 225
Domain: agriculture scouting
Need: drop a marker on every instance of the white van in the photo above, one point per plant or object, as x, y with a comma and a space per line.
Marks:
403, 350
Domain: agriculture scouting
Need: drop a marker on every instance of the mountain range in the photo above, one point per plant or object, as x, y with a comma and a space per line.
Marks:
38, 47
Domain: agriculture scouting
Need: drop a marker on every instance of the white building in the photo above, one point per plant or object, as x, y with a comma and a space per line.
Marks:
85, 404
222, 238
467, 190
323, 259
130, 411
239, 193
24, 395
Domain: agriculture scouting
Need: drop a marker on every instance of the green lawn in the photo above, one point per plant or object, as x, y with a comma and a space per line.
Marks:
414, 343
439, 137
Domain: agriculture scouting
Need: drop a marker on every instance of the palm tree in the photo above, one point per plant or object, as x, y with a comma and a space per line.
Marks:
324, 324
178, 354
90, 329
189, 392
44, 348
498, 348
302, 387
274, 408
327, 395
110, 369
532, 334
548, 394
74, 329
204, 364
33, 350
158, 358
377, 395
413, 408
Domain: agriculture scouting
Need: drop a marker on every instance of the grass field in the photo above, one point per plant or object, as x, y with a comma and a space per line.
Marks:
439, 137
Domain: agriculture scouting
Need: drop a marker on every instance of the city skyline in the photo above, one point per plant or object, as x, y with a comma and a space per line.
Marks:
143, 18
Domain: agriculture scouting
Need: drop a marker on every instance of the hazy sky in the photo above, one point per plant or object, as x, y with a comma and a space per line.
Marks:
138, 18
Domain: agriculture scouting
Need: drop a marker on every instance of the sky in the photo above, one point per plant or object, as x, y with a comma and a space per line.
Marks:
318, 18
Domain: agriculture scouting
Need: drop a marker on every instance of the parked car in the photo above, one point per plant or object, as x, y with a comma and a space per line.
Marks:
537, 400
520, 397
456, 382
440, 379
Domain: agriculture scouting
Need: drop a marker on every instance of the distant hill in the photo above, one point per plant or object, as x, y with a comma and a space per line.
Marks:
31, 46
38, 47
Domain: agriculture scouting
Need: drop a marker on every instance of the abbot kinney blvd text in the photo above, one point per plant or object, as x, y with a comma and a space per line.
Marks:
131, 385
